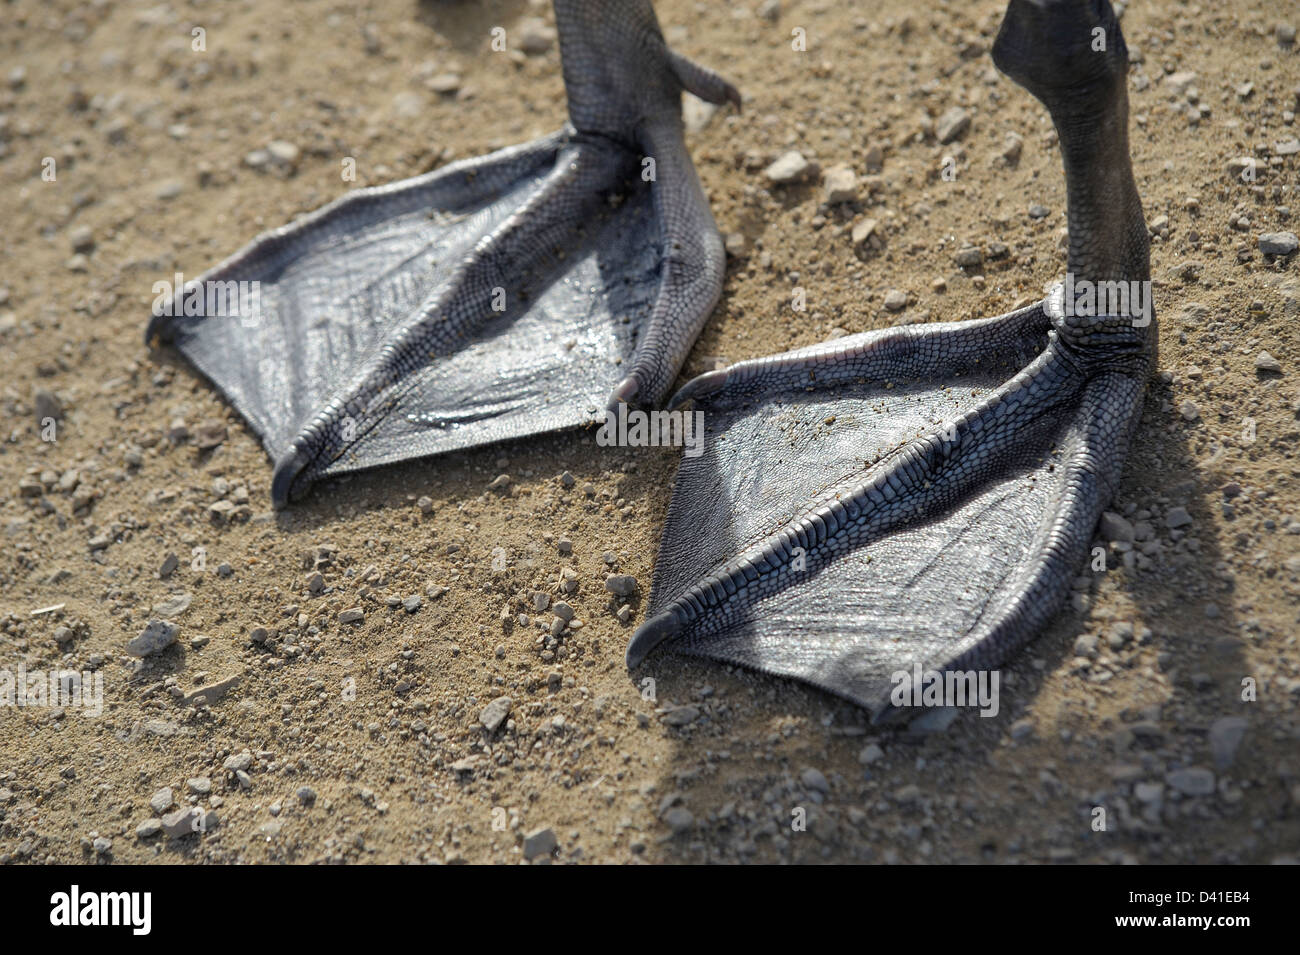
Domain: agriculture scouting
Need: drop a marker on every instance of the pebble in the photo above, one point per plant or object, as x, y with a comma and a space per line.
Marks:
199, 785
870, 753
840, 184
148, 828
1267, 363
173, 605
47, 405
540, 842
814, 779
682, 715
444, 83
1278, 243
412, 603
306, 795
1039, 211
935, 720
535, 37
863, 230
895, 300
157, 636
500, 482
495, 713
162, 800
1226, 734
679, 819
621, 585
82, 239
182, 822
969, 257
789, 168
1116, 527
952, 124
169, 565
102, 845
239, 762
1194, 781
1285, 33
1177, 517
352, 615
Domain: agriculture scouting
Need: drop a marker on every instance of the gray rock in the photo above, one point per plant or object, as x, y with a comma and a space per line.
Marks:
1116, 527
934, 720
238, 762
870, 753
148, 828
540, 842
1226, 734
412, 603
535, 37
199, 785
173, 605
47, 405
679, 819
895, 300
306, 795
1177, 517
621, 585
495, 713
352, 615
169, 565
969, 257
952, 125
157, 636
1267, 363
815, 779
188, 820
791, 167
840, 184
1278, 243
161, 801
682, 715
1193, 781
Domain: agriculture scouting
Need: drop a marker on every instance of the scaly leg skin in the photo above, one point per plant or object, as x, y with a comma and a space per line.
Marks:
924, 495
506, 296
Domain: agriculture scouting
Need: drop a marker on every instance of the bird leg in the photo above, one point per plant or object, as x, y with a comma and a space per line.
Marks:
500, 297
923, 496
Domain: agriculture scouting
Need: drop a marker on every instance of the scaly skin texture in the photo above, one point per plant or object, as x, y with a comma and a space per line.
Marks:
924, 495
367, 341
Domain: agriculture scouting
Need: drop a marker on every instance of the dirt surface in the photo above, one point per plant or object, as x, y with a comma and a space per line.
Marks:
362, 742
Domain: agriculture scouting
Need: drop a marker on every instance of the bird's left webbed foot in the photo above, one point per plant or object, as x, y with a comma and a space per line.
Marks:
921, 495
500, 297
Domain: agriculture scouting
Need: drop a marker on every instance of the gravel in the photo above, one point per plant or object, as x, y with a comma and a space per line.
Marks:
157, 636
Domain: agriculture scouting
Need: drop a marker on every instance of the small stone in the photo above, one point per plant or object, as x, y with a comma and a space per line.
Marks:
870, 753
82, 239
952, 125
169, 565
425, 504
352, 615
1267, 363
1278, 243
1012, 147
157, 636
190, 819
540, 842
535, 37
863, 231
1086, 645
47, 405
209, 434
1039, 211
814, 779
1191, 782
1189, 411
444, 83
162, 800
1116, 527
840, 184
412, 603
148, 829
1226, 734
969, 257
306, 795
173, 605
1177, 517
789, 168
315, 583
102, 845
199, 785
935, 720
1180, 81
239, 762
495, 713
682, 715
1285, 33
679, 819
621, 585
874, 159
895, 300
500, 482
283, 153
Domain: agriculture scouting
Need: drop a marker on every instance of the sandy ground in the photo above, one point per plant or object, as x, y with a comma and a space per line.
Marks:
363, 742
